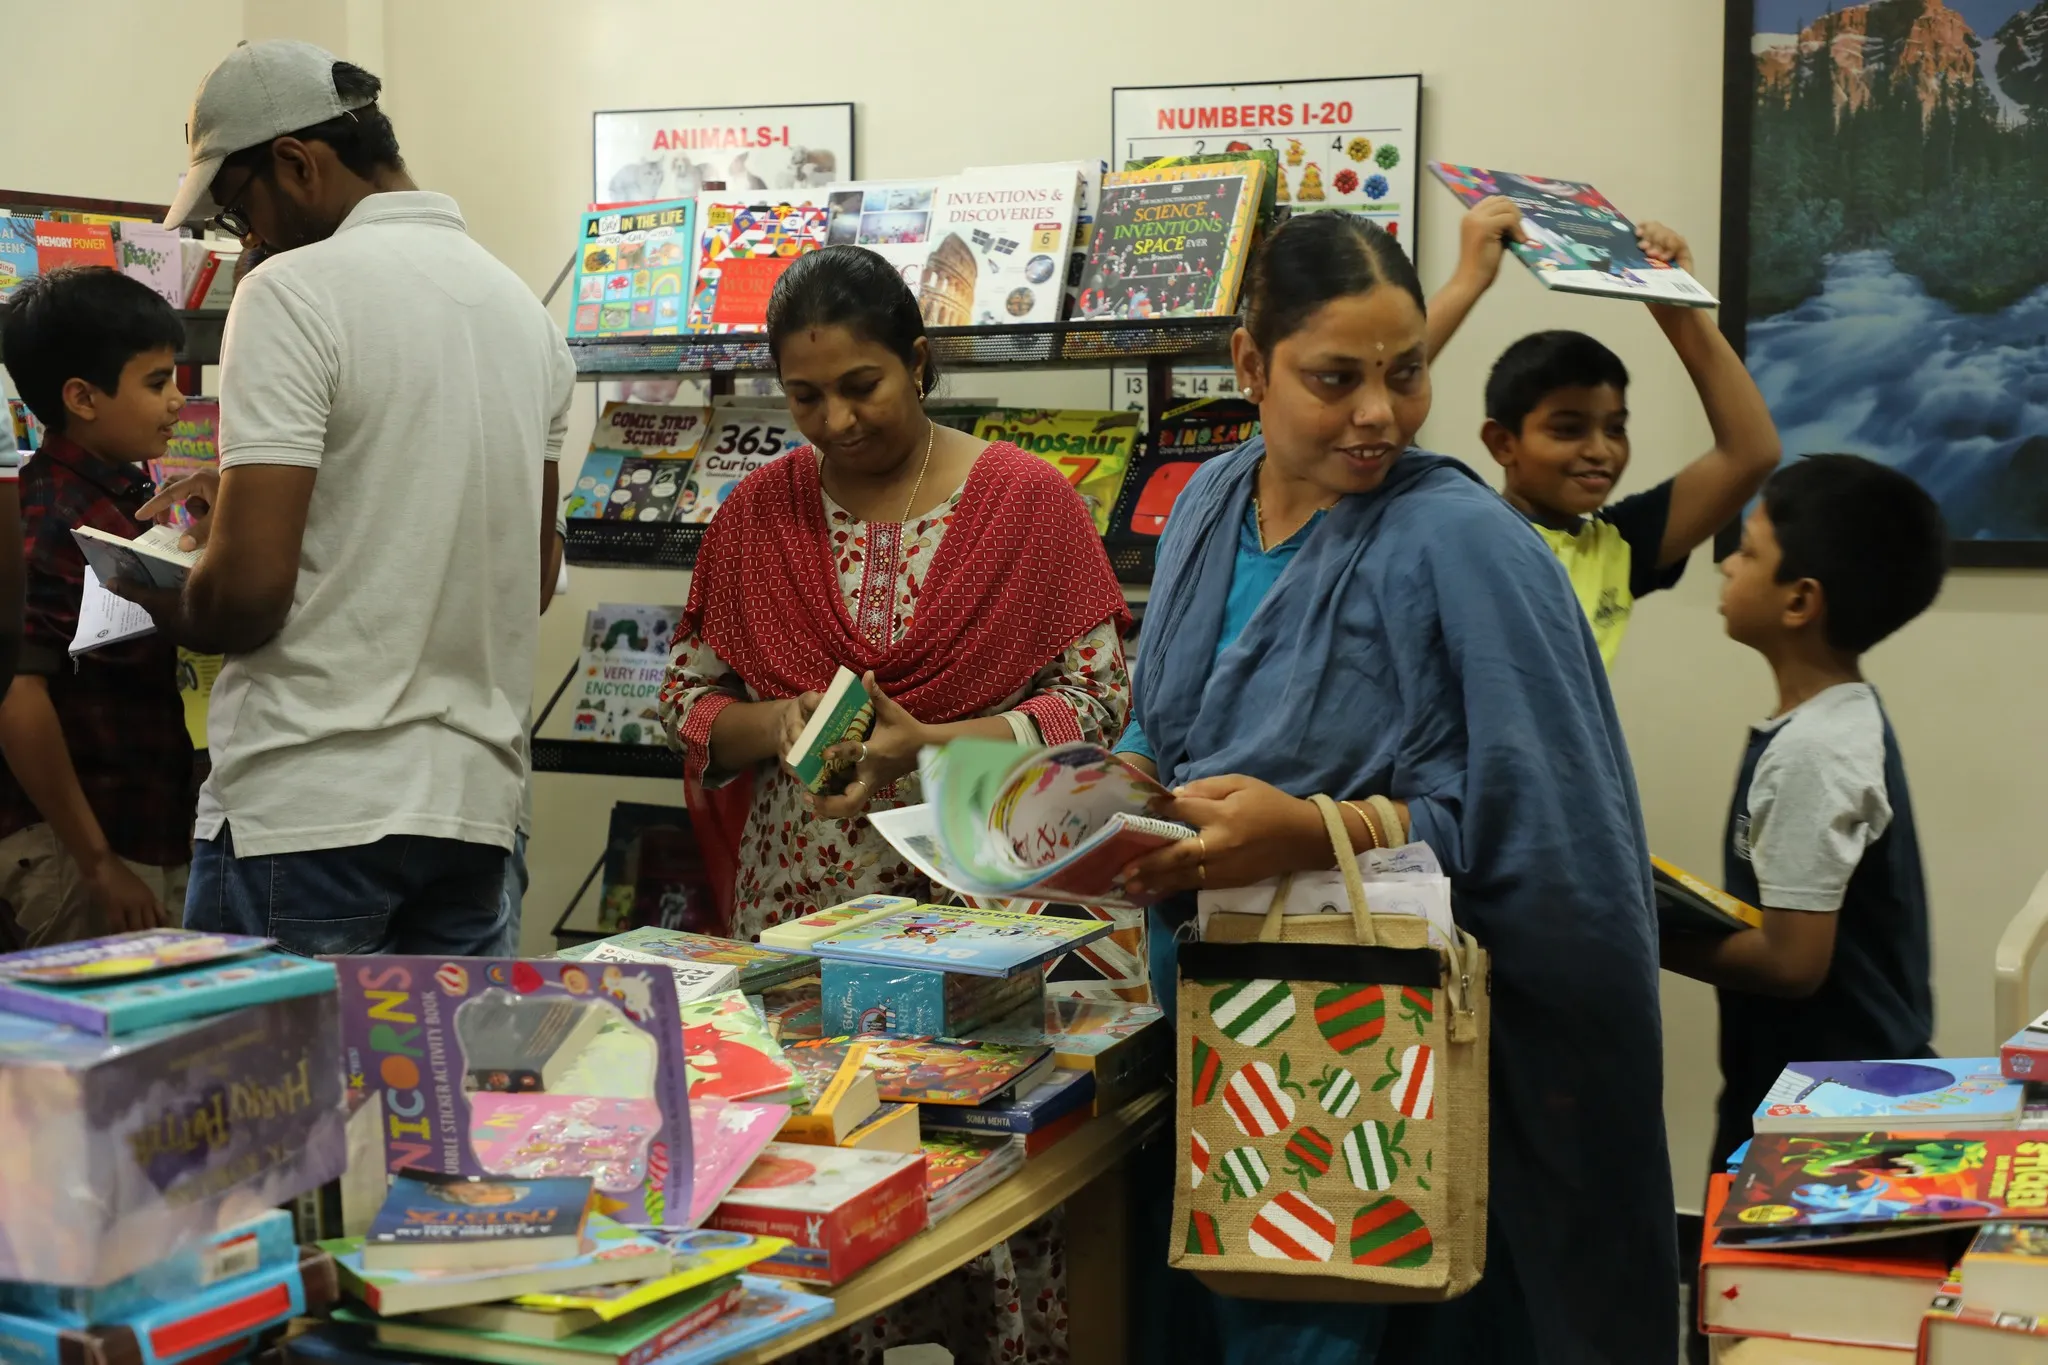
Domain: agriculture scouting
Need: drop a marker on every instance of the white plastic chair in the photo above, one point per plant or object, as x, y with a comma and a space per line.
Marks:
2017, 948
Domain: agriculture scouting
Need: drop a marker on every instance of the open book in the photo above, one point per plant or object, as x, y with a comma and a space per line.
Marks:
152, 557
1010, 822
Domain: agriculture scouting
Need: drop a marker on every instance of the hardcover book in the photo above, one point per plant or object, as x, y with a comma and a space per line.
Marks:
942, 1070
130, 1004
728, 1135
731, 1055
633, 270
636, 1339
1855, 1097
265, 1242
617, 1254
430, 1223
449, 1045
861, 997
971, 942
1188, 437
798, 935
178, 1131
1000, 241
759, 967
1687, 905
1888, 1179
1171, 241
1091, 449
839, 1209
1576, 241
742, 249
844, 715
1067, 1092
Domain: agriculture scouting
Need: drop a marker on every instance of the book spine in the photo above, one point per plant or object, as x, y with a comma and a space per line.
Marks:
53, 1009
685, 1326
981, 1121
202, 281
863, 1230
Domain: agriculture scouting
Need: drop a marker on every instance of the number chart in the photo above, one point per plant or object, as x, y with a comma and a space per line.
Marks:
1351, 143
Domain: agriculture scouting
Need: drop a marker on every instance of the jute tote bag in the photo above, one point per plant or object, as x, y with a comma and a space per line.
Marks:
1331, 1104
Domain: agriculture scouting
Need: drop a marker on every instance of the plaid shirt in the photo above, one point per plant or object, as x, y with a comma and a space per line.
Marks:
123, 719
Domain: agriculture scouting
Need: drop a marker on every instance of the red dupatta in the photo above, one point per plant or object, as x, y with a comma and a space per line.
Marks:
1019, 576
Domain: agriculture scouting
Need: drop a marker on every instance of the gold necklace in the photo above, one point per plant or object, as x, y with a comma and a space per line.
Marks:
931, 431
1259, 513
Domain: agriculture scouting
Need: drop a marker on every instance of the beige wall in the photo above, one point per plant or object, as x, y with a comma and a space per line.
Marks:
493, 102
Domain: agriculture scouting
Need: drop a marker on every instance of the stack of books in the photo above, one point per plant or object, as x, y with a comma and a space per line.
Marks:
1883, 1209
523, 1273
161, 1085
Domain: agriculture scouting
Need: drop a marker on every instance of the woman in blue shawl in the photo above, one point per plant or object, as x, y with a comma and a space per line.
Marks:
1335, 611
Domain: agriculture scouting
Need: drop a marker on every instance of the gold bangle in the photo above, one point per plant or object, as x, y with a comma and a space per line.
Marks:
1366, 820
1390, 816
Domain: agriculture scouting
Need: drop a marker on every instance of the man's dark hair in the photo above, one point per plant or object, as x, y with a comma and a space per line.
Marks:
363, 139
1871, 537
1542, 363
82, 322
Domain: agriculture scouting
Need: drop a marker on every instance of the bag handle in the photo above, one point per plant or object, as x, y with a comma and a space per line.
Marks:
1347, 865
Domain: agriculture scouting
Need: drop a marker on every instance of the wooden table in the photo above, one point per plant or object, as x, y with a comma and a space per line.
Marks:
1091, 1160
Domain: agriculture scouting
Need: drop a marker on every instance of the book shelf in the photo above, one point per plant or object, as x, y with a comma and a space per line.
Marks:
1159, 344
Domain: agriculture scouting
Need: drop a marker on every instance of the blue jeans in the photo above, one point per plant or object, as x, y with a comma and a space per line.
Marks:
403, 894
512, 899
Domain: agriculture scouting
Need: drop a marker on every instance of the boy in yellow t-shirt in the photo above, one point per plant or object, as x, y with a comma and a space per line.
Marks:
1557, 422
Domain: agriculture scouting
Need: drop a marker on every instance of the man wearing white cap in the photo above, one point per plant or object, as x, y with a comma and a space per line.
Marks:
393, 401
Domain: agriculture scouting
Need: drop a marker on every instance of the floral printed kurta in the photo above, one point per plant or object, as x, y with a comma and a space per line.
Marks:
792, 863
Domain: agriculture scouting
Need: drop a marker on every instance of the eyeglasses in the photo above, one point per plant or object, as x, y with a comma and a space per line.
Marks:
233, 219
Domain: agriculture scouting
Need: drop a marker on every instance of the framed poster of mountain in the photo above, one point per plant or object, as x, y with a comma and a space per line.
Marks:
642, 154
1883, 269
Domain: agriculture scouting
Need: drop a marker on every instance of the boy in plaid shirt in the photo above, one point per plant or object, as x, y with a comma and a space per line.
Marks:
96, 806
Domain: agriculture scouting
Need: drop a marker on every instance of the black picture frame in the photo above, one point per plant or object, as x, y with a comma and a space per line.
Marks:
1738, 115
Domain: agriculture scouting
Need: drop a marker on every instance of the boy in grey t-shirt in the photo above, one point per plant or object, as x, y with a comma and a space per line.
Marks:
1839, 554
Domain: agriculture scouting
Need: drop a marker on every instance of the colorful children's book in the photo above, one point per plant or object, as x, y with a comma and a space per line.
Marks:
961, 1167
59, 244
1092, 449
744, 435
769, 1309
792, 1010
1851, 1296
127, 1005
1687, 905
1959, 1333
743, 247
633, 270
1577, 242
1067, 1092
122, 956
1006, 821
617, 1254
731, 1055
194, 446
892, 1129
1000, 241
1127, 1047
839, 1209
620, 1115
969, 942
844, 715
222, 1322
18, 258
2007, 1267
864, 997
1854, 1097
694, 980
729, 1134
265, 1242
1171, 241
891, 218
1894, 1178
759, 967
1188, 437
151, 253
943, 1070
843, 1091
636, 1339
469, 1223
798, 935
177, 1131
2024, 1056
619, 674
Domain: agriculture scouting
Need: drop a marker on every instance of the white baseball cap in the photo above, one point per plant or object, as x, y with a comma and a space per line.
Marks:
262, 91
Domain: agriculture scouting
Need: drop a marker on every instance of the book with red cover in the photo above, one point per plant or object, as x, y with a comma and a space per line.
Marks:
1888, 1179
61, 244
839, 1208
1866, 1296
2024, 1056
1956, 1333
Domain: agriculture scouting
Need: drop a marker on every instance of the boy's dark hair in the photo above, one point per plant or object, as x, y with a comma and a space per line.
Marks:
363, 138
1542, 363
1313, 259
850, 287
82, 322
1871, 537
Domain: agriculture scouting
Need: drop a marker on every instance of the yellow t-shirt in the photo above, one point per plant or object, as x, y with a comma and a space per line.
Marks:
1611, 559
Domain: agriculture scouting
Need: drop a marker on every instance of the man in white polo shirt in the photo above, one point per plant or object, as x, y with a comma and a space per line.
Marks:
392, 407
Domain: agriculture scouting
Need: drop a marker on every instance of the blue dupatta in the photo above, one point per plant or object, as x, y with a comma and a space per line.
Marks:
1425, 644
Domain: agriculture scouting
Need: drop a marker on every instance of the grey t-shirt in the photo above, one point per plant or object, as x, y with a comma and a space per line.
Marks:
1818, 798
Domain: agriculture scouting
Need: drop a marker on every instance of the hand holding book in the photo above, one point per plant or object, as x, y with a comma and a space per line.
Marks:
893, 741
1249, 832
196, 493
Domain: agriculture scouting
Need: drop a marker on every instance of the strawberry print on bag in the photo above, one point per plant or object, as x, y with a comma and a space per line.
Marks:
1351, 1017
1293, 1227
1373, 1155
1308, 1155
1387, 1232
1258, 1098
1339, 1091
1413, 1081
1253, 1013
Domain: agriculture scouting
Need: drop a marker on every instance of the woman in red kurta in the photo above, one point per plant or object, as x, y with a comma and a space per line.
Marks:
964, 579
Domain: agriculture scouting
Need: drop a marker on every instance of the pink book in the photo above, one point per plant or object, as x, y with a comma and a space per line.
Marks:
726, 1136
533, 1136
